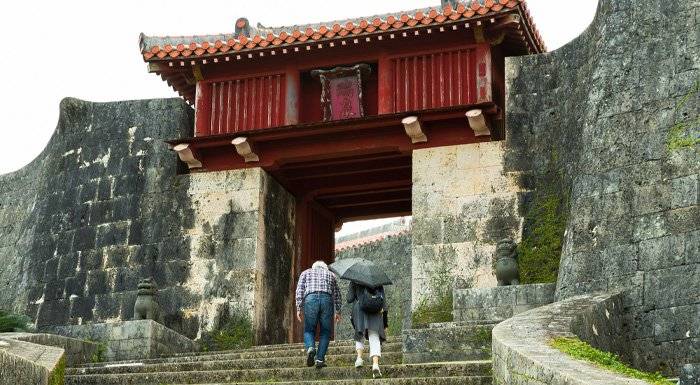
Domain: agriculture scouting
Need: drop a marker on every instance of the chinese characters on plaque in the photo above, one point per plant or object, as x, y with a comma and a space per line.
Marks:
341, 91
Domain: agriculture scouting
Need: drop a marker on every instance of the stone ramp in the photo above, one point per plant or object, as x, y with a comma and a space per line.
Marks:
280, 365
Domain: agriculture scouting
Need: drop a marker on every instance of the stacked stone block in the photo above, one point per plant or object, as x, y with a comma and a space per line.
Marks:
131, 339
464, 202
501, 302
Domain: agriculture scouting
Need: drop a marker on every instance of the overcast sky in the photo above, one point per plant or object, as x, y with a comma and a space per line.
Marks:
89, 49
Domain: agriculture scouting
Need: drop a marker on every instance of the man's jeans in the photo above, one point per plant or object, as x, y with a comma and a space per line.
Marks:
318, 309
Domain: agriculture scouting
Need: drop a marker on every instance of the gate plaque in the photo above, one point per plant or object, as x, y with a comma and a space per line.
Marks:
341, 91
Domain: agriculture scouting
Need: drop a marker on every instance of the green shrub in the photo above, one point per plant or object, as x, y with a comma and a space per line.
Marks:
12, 322
583, 351
236, 333
99, 354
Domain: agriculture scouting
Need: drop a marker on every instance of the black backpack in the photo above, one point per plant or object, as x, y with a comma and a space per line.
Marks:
371, 300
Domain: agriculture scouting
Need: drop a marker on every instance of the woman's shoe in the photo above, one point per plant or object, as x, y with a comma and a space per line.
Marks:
359, 362
376, 373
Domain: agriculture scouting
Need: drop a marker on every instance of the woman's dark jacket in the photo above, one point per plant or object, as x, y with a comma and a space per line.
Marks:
362, 321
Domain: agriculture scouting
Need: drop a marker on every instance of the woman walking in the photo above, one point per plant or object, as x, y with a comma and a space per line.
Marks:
369, 319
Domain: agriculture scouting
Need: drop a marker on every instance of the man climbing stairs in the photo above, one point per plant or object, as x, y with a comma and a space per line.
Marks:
280, 365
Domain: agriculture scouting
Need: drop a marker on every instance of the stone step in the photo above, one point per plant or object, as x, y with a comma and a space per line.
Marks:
474, 368
246, 354
298, 361
460, 380
390, 339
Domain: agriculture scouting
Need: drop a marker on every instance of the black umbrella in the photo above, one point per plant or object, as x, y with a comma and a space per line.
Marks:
360, 270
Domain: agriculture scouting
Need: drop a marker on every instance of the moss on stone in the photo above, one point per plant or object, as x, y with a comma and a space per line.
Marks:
57, 376
482, 336
540, 250
685, 134
236, 333
583, 351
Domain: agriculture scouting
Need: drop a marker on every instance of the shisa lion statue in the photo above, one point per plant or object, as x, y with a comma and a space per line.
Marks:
506, 263
146, 306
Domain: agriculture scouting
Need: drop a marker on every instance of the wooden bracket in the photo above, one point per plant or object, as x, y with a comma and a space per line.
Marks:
245, 149
413, 129
187, 155
478, 123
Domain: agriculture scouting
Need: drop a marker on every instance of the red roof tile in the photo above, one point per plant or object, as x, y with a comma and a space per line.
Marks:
199, 45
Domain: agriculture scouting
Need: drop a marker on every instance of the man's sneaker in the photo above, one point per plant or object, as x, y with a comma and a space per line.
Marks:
376, 373
359, 362
310, 356
320, 364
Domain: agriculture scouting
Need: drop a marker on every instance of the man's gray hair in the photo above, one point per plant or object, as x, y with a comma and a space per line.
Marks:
319, 264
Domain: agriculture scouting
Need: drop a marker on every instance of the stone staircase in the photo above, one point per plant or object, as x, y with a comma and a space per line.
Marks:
280, 365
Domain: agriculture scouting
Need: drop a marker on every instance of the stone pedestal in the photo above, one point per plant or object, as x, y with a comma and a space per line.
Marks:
131, 340
502, 302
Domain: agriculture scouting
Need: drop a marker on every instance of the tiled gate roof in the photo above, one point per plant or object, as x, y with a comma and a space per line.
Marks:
169, 48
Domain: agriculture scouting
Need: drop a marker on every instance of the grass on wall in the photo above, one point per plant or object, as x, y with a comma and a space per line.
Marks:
57, 376
433, 312
578, 349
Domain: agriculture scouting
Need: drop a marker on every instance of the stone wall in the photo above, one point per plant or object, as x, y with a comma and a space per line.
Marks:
104, 206
463, 203
393, 255
612, 121
241, 237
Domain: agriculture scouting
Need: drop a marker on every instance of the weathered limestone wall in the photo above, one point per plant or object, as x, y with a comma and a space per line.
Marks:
103, 206
274, 285
614, 117
463, 203
94, 212
393, 255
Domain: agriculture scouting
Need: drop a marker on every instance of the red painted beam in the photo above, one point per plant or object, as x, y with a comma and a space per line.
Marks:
373, 196
359, 166
381, 210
